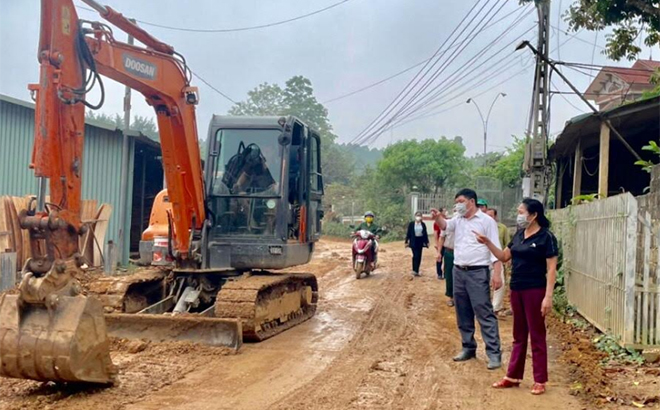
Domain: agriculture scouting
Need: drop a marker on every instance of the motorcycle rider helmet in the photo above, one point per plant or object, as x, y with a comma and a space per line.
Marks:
369, 217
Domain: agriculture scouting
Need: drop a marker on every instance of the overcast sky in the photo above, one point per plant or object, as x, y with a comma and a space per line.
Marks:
340, 50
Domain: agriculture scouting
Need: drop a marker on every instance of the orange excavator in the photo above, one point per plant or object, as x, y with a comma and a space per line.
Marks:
220, 232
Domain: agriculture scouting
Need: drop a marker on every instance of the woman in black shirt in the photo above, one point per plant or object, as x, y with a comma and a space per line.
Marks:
417, 239
533, 252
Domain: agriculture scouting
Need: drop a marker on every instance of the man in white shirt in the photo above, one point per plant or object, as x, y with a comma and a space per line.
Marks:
472, 278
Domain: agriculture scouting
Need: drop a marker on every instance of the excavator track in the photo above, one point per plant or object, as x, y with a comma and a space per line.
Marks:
129, 293
267, 304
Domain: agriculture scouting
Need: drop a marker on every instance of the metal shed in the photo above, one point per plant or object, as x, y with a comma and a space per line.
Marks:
101, 165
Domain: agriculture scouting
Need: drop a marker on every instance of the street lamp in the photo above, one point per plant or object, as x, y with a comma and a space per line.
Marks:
485, 121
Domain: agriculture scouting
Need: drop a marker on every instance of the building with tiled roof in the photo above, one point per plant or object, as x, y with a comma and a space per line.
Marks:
616, 85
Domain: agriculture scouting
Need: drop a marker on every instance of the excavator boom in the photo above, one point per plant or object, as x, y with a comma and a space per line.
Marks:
50, 331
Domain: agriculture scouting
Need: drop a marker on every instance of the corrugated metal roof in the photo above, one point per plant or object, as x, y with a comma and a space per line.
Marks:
587, 126
101, 160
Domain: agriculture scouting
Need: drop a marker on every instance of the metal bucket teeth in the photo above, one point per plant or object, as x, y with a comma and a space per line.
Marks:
67, 343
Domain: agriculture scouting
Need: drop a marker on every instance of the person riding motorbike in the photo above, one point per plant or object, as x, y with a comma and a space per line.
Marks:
369, 225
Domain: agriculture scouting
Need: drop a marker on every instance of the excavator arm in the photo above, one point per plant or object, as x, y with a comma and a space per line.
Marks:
50, 331
74, 54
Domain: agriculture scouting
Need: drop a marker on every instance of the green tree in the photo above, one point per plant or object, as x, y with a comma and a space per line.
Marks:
265, 99
508, 168
297, 98
427, 165
629, 19
145, 125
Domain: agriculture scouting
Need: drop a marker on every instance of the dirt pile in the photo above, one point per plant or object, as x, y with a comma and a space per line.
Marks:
143, 369
602, 386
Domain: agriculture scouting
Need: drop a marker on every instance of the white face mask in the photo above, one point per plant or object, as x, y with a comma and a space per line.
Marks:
460, 208
522, 221
418, 218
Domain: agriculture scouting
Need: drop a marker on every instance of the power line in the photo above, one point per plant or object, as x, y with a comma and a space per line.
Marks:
577, 38
611, 68
462, 103
435, 96
212, 87
404, 70
408, 87
573, 36
372, 131
415, 104
232, 30
432, 95
564, 97
430, 113
414, 101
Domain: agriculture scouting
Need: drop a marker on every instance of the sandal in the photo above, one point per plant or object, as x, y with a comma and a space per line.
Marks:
538, 388
506, 383
450, 303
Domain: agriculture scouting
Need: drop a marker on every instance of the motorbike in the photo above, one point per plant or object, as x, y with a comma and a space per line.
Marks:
363, 252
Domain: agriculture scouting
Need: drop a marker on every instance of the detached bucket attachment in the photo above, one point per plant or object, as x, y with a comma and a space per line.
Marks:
182, 328
64, 343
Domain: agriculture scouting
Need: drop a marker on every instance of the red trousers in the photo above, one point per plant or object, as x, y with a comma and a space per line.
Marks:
528, 322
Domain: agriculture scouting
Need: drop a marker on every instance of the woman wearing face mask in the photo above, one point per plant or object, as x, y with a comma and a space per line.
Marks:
533, 252
417, 239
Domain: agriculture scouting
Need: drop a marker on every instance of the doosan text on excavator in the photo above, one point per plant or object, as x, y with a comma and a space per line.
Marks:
218, 231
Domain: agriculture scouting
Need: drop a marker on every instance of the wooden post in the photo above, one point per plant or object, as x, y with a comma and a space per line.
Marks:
559, 187
629, 270
604, 160
577, 170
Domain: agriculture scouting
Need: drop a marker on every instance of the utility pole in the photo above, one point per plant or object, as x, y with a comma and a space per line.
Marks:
119, 251
536, 166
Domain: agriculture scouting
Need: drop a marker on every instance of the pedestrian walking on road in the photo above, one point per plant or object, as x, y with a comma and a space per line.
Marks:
505, 238
533, 252
417, 239
472, 279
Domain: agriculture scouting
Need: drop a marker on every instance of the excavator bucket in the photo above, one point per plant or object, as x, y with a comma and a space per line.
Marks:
66, 342
181, 328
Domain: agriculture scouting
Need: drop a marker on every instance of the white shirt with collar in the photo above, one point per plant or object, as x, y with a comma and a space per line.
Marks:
467, 250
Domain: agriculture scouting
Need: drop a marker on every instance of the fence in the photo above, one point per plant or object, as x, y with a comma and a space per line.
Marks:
601, 250
504, 199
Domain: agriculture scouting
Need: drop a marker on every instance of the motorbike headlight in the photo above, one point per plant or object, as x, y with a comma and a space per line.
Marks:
364, 234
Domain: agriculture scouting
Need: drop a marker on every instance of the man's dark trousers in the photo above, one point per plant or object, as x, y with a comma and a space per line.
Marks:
472, 298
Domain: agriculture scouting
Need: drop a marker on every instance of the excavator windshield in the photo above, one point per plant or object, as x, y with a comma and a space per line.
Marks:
249, 163
246, 181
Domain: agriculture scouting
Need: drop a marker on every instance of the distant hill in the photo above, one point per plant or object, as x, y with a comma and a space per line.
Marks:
364, 156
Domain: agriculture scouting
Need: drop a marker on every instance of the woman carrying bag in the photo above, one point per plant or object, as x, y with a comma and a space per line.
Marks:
417, 239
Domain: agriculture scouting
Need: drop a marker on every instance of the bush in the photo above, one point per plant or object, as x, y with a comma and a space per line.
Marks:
336, 229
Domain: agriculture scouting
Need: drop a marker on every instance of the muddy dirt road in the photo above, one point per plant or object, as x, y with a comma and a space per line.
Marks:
383, 342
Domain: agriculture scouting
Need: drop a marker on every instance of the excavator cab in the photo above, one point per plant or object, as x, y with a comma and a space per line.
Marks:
264, 188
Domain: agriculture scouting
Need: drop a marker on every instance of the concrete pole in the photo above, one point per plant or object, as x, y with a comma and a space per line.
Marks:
124, 174
352, 213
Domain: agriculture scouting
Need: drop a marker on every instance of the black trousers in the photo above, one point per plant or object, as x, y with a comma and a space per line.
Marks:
417, 258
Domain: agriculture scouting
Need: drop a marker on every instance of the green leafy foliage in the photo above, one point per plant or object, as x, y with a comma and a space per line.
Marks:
648, 165
145, 125
506, 167
629, 19
422, 165
336, 229
297, 98
615, 353
653, 92
586, 198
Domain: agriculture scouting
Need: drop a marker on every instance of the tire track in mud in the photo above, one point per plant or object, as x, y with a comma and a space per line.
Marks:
386, 321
